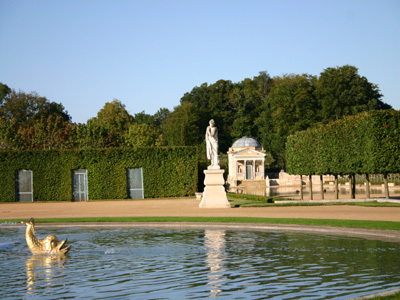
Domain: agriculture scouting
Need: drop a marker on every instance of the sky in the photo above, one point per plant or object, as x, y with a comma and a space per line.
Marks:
148, 54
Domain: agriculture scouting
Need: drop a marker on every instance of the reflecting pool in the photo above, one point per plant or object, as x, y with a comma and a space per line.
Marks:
140, 263
294, 191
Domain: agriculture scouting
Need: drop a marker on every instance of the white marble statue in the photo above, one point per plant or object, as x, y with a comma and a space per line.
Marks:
212, 144
214, 195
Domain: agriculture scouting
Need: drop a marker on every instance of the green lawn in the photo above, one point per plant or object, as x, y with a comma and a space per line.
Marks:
319, 222
391, 297
244, 200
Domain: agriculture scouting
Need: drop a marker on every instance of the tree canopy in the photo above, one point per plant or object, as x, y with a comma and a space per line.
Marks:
26, 109
4, 91
266, 108
342, 91
29, 121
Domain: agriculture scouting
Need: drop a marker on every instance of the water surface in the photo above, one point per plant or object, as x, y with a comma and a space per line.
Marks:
294, 191
137, 263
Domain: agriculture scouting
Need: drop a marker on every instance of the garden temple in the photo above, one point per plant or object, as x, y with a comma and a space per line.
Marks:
246, 162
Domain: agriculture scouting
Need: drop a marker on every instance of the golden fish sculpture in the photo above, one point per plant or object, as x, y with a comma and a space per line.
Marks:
49, 245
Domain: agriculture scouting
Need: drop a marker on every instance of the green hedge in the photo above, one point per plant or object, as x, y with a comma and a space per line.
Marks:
367, 143
167, 172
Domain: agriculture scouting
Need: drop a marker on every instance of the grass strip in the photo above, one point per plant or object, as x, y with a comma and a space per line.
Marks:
246, 200
270, 202
386, 225
395, 296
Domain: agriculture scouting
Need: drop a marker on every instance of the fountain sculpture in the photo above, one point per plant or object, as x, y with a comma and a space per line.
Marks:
49, 245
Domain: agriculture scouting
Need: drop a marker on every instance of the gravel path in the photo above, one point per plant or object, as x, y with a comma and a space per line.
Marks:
188, 207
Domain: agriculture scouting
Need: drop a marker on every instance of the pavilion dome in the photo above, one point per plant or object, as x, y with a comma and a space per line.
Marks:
246, 142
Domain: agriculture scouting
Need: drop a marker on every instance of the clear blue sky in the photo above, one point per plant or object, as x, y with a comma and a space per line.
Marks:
148, 53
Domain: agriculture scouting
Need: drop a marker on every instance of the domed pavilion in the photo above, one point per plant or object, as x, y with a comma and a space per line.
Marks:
246, 161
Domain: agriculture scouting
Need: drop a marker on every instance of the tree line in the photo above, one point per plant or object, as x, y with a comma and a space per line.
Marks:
367, 143
266, 108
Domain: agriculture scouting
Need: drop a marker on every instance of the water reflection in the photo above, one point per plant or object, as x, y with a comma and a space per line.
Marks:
43, 268
134, 263
294, 191
285, 191
215, 247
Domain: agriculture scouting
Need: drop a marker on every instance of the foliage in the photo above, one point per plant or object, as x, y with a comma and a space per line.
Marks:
342, 91
4, 91
267, 109
301, 152
182, 127
28, 121
233, 106
160, 116
47, 134
142, 135
367, 143
290, 106
113, 116
27, 109
270, 109
110, 124
167, 172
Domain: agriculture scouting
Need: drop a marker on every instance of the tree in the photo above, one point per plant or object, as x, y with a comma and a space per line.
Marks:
142, 135
341, 91
367, 143
269, 109
109, 127
182, 127
264, 84
113, 117
27, 109
82, 138
8, 134
198, 96
29, 121
290, 106
101, 137
213, 102
160, 116
4, 91
143, 118
47, 134
245, 101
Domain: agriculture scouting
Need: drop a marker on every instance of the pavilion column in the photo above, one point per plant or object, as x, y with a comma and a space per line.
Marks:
263, 169
237, 170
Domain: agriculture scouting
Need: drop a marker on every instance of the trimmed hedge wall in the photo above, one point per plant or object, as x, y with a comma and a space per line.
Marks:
167, 172
367, 143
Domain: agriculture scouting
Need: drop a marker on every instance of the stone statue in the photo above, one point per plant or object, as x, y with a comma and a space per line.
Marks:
49, 245
212, 144
214, 195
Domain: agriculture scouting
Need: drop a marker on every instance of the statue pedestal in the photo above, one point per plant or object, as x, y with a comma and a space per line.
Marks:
214, 195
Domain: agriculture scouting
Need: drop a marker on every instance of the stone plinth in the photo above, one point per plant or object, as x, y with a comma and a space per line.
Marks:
214, 195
